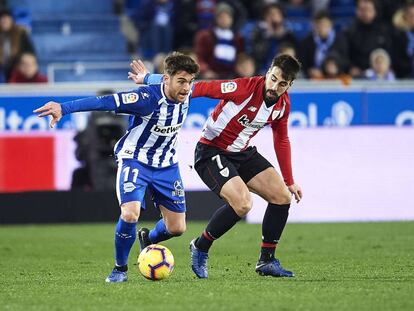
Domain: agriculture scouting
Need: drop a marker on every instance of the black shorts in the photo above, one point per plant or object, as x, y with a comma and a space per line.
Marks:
215, 166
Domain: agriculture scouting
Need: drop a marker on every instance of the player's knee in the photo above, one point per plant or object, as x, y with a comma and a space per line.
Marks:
129, 216
243, 205
280, 197
177, 229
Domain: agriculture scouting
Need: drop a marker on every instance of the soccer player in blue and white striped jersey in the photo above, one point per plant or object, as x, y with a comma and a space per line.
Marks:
146, 154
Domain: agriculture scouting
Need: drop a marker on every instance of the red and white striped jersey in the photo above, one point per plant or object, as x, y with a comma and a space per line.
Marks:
241, 113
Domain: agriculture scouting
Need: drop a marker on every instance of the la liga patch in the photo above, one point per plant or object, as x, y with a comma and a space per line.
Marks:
130, 98
228, 87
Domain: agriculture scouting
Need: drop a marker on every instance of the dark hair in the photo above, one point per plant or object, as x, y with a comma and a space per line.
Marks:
289, 65
266, 8
322, 14
176, 62
5, 12
374, 2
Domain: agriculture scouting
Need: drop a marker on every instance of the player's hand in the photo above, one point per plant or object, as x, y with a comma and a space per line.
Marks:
296, 191
138, 71
50, 109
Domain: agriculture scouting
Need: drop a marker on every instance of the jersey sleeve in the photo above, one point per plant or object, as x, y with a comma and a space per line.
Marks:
152, 78
282, 148
141, 101
223, 89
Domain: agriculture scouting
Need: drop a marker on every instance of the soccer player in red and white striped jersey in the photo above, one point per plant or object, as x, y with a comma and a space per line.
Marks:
232, 169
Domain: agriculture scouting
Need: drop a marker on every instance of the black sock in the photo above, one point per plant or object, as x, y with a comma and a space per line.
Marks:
221, 222
122, 268
274, 222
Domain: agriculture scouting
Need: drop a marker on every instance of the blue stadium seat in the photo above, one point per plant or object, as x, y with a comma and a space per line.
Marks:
92, 75
56, 43
299, 26
64, 7
76, 23
342, 8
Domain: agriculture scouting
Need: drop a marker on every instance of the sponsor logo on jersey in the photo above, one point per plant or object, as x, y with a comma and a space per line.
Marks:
244, 120
130, 98
228, 87
165, 130
252, 108
129, 187
178, 189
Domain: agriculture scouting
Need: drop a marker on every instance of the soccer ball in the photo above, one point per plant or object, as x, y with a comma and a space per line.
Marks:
156, 262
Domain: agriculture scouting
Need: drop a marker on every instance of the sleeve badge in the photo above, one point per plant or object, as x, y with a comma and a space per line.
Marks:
130, 98
228, 87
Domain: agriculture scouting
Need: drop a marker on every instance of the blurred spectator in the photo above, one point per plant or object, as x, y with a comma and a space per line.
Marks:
158, 62
366, 34
318, 44
239, 13
404, 43
186, 23
387, 9
127, 10
154, 20
287, 48
14, 40
217, 48
320, 5
332, 69
268, 35
205, 13
245, 66
26, 70
380, 66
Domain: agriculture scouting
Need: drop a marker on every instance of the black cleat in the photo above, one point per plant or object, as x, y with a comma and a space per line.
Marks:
143, 236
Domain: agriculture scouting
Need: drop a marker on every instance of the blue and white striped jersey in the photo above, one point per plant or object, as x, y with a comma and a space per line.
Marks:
152, 136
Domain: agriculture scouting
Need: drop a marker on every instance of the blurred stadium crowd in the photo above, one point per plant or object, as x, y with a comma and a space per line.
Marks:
83, 40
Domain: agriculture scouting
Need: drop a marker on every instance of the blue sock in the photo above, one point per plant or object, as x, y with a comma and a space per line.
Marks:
125, 235
159, 233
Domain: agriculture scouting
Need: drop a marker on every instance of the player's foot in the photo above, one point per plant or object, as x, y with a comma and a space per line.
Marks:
143, 236
272, 268
117, 276
198, 261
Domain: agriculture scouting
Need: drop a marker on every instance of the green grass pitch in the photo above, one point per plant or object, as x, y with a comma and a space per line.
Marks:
348, 266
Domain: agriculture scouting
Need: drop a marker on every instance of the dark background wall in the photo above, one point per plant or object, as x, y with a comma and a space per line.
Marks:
79, 206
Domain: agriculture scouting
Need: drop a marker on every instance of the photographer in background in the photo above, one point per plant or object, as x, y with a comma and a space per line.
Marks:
94, 150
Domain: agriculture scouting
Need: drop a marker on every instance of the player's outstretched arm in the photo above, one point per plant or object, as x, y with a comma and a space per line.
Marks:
56, 110
50, 109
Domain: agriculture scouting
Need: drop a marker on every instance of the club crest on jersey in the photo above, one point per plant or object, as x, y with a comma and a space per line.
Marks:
130, 98
228, 87
277, 114
225, 172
